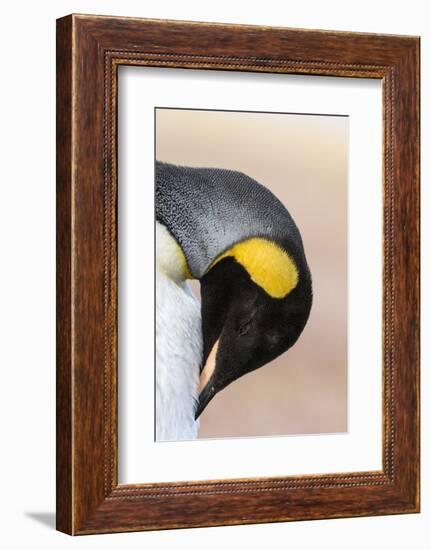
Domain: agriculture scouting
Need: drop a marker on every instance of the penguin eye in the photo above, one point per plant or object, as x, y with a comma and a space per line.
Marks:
273, 338
244, 328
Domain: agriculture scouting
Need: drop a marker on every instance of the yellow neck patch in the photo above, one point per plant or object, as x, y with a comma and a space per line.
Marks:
268, 265
183, 262
170, 258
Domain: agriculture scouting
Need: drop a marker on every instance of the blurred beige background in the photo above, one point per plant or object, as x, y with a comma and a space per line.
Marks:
302, 159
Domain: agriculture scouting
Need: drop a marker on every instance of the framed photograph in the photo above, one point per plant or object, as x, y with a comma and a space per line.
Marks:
237, 274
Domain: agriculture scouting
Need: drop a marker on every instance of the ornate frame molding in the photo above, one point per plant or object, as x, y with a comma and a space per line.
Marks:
89, 498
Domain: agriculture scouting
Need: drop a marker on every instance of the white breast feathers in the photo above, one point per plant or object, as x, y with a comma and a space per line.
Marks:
178, 343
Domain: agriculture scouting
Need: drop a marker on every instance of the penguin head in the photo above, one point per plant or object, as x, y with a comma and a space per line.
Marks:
256, 300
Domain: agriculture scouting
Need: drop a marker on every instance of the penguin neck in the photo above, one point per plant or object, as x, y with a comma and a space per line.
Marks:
209, 210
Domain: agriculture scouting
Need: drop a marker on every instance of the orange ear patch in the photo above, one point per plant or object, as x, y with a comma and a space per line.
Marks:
268, 265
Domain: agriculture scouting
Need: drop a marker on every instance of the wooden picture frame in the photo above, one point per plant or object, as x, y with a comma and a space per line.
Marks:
89, 51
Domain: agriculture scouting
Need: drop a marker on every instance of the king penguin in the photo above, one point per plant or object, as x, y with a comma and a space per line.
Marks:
231, 233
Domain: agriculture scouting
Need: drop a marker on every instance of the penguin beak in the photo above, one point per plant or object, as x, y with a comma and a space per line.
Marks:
204, 398
207, 388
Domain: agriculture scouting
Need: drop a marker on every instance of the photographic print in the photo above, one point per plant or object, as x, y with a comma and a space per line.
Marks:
251, 273
237, 274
